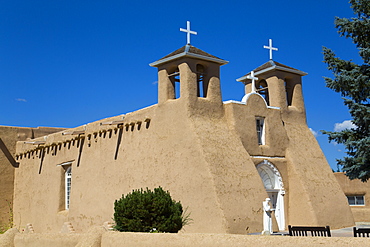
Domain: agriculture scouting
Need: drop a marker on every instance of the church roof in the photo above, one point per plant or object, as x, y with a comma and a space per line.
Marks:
272, 65
189, 51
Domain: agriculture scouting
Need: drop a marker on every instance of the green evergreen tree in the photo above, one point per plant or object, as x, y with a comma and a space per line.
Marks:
352, 81
148, 211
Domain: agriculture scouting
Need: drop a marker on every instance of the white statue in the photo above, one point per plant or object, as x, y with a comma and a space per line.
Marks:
267, 221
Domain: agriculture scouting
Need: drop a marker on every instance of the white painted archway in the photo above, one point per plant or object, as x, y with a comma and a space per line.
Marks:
274, 186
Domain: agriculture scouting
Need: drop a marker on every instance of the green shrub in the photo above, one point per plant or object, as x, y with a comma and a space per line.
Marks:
148, 211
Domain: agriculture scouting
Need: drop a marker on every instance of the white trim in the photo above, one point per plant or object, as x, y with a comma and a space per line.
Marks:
188, 54
246, 97
267, 157
356, 205
233, 101
275, 171
35, 142
241, 103
294, 71
67, 163
68, 186
278, 189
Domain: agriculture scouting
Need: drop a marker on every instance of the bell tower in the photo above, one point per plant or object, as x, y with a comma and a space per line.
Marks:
278, 84
189, 74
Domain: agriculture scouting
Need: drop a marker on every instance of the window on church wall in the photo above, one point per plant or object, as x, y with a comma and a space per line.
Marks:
201, 86
175, 81
67, 185
262, 89
358, 200
260, 127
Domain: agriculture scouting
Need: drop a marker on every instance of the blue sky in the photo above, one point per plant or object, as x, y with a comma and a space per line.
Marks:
67, 63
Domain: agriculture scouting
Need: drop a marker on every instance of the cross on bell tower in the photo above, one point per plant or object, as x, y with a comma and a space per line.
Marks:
188, 32
270, 48
253, 78
189, 74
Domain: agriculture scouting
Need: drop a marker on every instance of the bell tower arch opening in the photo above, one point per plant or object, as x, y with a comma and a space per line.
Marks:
192, 65
189, 73
202, 85
174, 76
274, 186
288, 91
278, 84
262, 89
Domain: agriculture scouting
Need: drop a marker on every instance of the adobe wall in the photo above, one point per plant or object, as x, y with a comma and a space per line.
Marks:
10, 135
204, 152
110, 239
316, 192
113, 239
312, 192
192, 156
352, 188
242, 119
201, 157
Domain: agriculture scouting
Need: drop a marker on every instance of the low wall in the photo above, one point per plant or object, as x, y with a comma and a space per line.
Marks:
111, 239
114, 239
50, 239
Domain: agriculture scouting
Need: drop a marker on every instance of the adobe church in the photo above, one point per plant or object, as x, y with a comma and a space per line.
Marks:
220, 159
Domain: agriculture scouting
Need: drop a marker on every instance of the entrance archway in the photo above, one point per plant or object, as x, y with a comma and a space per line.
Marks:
274, 186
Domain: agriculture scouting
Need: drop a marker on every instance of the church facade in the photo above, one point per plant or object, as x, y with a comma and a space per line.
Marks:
220, 159
8, 138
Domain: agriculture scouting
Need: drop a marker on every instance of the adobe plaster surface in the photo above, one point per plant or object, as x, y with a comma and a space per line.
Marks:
356, 188
96, 238
10, 135
203, 151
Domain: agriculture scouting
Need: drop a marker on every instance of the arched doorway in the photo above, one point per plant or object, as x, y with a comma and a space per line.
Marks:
274, 186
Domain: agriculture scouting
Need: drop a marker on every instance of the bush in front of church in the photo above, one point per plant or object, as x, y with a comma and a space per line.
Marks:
148, 211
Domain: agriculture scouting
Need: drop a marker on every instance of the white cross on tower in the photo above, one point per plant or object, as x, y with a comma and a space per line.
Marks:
270, 48
251, 77
188, 31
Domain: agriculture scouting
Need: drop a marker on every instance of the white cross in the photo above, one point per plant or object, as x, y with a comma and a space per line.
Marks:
270, 48
251, 77
187, 30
